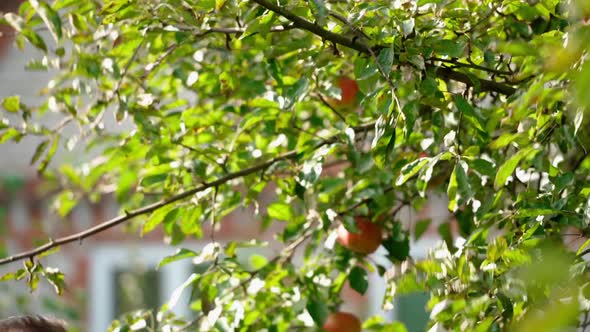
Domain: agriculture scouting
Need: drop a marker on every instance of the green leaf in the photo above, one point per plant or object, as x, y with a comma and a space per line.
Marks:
384, 140
177, 293
310, 172
10, 133
280, 211
127, 180
318, 8
411, 169
358, 279
408, 26
484, 325
317, 310
261, 25
230, 249
394, 327
582, 247
49, 252
15, 21
56, 279
219, 4
425, 173
180, 253
50, 17
444, 230
157, 218
153, 179
465, 192
510, 165
385, 58
113, 6
35, 39
65, 202
505, 139
52, 149
452, 191
296, 92
410, 110
39, 151
398, 247
257, 261
517, 48
13, 276
11, 104
421, 227
451, 48
469, 113
526, 213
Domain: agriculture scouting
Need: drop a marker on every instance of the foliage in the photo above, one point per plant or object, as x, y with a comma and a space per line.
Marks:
482, 101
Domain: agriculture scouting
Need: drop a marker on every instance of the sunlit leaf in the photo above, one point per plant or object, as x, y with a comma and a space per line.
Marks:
11, 104
280, 211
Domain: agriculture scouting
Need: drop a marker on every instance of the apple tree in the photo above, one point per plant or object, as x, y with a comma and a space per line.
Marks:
480, 102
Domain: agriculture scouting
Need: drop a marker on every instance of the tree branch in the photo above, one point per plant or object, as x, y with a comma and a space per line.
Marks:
128, 215
484, 85
304, 24
355, 44
456, 63
584, 253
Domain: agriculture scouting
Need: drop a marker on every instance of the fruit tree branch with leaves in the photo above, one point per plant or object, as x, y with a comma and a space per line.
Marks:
482, 103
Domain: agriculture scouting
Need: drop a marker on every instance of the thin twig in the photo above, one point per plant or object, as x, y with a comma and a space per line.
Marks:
152, 66
353, 27
355, 44
128, 215
362, 202
192, 322
127, 66
325, 102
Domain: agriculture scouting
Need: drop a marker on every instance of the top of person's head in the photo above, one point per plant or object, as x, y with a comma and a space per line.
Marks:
32, 324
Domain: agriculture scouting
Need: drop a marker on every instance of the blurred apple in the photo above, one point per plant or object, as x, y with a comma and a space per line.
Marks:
366, 241
342, 322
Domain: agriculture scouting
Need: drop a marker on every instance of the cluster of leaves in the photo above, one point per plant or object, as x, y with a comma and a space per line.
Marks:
481, 100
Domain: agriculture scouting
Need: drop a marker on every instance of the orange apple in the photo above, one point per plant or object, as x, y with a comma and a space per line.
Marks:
366, 241
342, 322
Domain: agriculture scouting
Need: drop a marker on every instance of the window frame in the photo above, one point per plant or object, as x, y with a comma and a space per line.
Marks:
106, 258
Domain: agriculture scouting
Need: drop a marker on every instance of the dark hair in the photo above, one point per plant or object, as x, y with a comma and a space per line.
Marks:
32, 324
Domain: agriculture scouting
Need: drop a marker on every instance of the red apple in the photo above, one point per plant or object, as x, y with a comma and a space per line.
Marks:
342, 322
366, 241
350, 90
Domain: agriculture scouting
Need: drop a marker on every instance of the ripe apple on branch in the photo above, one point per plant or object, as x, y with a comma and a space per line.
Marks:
366, 241
342, 322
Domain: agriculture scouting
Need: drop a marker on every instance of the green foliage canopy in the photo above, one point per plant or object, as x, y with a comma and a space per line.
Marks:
481, 101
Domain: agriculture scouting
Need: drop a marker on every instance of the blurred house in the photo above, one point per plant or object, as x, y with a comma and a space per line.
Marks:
113, 272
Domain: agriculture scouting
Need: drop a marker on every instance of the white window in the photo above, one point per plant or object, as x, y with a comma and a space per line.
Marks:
116, 269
